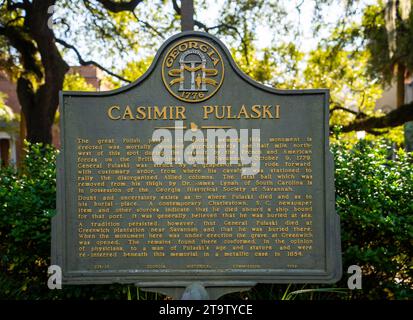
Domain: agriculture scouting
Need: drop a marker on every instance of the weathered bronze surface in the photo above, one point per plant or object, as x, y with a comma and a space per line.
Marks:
123, 219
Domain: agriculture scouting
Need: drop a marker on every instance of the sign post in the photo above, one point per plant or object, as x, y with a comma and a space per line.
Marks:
187, 15
196, 175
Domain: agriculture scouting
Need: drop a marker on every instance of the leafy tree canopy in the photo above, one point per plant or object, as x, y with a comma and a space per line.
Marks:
358, 47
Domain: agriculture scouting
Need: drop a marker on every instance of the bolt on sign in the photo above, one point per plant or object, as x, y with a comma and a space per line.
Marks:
195, 173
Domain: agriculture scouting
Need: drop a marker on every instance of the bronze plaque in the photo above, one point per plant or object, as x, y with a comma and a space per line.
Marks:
124, 218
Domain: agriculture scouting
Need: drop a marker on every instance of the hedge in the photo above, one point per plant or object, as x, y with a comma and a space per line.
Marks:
374, 198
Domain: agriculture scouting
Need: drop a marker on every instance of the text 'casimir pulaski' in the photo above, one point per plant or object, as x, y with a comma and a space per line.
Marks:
257, 111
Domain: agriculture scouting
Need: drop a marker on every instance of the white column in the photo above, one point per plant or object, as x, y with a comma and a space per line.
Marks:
13, 156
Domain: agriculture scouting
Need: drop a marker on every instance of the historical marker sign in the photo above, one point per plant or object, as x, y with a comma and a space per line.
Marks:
124, 218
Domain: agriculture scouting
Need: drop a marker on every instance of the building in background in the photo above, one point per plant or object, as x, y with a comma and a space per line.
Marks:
388, 102
408, 127
12, 130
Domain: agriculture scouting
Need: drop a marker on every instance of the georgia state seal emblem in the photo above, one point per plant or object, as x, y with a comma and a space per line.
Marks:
193, 70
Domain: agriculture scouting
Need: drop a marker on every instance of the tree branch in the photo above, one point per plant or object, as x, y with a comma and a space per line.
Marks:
89, 62
14, 20
109, 31
11, 6
376, 132
63, 22
148, 25
120, 6
176, 7
220, 26
223, 26
27, 49
338, 107
394, 118
203, 26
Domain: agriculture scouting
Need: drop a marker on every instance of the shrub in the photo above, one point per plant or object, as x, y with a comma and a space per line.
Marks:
27, 203
374, 192
374, 198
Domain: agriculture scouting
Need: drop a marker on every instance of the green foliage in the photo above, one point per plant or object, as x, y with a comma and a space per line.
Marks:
292, 295
8, 119
382, 58
261, 70
75, 82
135, 293
374, 192
27, 203
133, 70
375, 31
6, 114
345, 74
292, 292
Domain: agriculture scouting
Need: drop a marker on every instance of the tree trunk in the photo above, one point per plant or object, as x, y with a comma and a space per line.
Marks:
187, 15
37, 115
39, 106
4, 152
400, 85
401, 99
